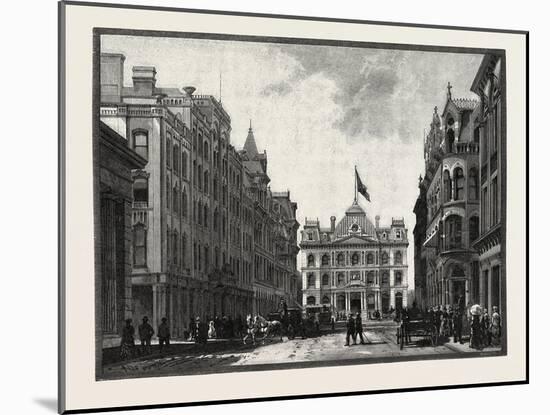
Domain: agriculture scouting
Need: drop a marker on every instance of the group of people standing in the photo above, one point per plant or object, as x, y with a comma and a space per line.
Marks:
486, 329
145, 334
223, 327
355, 329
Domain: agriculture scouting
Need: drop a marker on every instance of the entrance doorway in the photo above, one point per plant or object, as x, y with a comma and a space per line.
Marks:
385, 301
398, 301
355, 302
459, 290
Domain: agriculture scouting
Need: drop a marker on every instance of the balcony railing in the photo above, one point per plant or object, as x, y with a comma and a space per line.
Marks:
471, 148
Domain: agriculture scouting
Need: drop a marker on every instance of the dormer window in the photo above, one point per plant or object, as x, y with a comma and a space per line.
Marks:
354, 227
310, 236
398, 234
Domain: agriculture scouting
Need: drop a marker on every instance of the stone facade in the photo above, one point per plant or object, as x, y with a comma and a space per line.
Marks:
196, 204
113, 242
355, 266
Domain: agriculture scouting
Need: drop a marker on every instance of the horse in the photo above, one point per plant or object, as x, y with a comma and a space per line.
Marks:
269, 328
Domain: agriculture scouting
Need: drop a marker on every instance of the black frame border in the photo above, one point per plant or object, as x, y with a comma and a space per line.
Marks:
61, 175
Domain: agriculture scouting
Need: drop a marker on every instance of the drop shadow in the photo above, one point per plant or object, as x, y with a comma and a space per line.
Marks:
48, 403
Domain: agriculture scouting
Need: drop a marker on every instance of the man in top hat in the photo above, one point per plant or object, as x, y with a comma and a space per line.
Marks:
350, 330
146, 332
495, 327
359, 328
164, 334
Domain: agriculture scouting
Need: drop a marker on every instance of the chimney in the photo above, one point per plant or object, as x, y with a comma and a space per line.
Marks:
377, 221
332, 223
112, 76
144, 78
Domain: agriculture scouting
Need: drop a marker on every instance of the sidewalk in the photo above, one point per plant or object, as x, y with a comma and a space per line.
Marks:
465, 348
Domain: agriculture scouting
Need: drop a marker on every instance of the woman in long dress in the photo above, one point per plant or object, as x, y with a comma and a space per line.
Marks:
212, 330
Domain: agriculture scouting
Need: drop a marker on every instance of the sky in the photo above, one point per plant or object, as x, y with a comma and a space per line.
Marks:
319, 111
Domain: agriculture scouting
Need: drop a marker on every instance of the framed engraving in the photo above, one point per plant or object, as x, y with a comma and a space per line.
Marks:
264, 202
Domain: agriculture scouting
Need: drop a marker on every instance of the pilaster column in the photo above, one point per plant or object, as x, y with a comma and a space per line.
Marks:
490, 291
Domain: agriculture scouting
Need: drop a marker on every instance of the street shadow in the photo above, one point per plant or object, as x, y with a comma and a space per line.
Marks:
48, 403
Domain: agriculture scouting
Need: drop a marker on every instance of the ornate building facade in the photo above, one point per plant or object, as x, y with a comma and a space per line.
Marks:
447, 209
196, 204
355, 265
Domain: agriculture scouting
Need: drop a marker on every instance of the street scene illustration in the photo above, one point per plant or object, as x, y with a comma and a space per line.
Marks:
263, 206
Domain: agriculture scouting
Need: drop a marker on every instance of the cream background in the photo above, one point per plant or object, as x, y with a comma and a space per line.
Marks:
83, 391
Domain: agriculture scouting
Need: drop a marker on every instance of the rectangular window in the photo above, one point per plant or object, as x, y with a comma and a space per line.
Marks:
140, 246
140, 144
494, 202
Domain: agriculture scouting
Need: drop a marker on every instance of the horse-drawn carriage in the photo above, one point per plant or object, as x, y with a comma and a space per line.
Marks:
417, 325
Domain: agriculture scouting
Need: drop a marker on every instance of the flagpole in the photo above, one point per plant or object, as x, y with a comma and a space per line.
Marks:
355, 175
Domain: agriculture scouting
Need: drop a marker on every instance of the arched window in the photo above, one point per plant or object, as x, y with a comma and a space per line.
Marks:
447, 186
206, 182
206, 215
206, 150
473, 228
398, 278
216, 219
311, 300
141, 145
184, 164
310, 280
141, 190
453, 232
340, 259
450, 137
175, 199
341, 279
176, 158
385, 278
370, 258
355, 258
140, 246
326, 300
325, 280
184, 207
459, 184
199, 213
175, 239
385, 258
324, 259
473, 184
310, 260
398, 258
370, 278
199, 177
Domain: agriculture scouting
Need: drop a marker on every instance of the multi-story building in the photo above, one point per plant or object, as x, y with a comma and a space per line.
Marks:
355, 265
274, 233
490, 124
448, 207
195, 204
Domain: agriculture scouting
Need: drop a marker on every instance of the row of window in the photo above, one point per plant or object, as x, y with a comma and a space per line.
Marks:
341, 279
355, 257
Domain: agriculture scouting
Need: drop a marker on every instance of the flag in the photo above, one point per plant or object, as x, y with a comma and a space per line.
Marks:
361, 188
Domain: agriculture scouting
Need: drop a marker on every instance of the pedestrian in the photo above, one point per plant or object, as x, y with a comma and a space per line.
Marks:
457, 326
495, 327
475, 330
202, 332
127, 340
145, 331
485, 322
359, 328
192, 328
250, 329
332, 322
212, 330
350, 334
317, 324
163, 334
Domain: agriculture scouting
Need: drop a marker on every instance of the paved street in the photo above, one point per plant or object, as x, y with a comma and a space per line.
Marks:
234, 356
